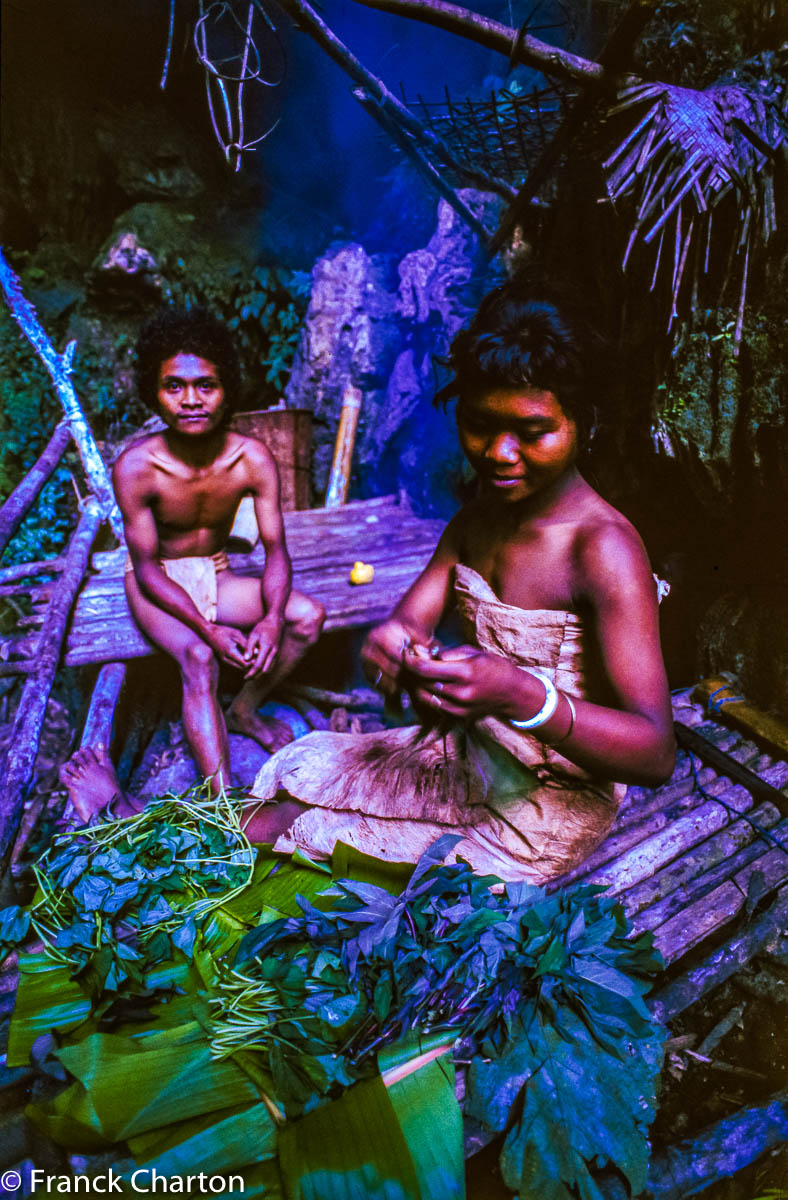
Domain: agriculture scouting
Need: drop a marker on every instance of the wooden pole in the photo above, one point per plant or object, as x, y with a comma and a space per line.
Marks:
339, 479
59, 367
101, 713
26, 493
17, 770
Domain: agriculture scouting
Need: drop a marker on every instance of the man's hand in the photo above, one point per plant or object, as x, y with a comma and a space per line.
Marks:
228, 644
381, 654
466, 682
262, 646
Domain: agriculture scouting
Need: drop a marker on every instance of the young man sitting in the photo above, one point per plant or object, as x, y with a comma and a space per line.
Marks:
178, 491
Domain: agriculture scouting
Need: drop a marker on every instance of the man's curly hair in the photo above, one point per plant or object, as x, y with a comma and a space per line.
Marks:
172, 331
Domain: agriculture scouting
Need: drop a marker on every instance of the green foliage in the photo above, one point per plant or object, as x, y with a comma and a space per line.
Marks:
707, 382
264, 308
694, 42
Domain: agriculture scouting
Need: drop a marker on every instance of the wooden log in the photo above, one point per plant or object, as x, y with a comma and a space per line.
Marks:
339, 475
24, 666
101, 713
355, 701
653, 852
45, 566
723, 962
27, 492
718, 907
672, 798
17, 768
59, 368
720, 1151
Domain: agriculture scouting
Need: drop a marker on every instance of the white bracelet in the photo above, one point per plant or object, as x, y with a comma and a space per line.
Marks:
547, 709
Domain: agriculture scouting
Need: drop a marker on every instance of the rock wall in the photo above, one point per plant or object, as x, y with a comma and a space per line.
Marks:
381, 332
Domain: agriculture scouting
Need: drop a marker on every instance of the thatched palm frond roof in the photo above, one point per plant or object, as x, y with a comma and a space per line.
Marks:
686, 153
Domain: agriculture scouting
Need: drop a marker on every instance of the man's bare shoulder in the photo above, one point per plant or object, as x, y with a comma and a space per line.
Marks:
254, 451
138, 461
257, 461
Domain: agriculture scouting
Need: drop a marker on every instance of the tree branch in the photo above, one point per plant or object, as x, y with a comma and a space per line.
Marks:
394, 117
495, 36
614, 55
59, 368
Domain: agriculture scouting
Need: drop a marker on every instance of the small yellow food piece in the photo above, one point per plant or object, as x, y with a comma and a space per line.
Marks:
362, 572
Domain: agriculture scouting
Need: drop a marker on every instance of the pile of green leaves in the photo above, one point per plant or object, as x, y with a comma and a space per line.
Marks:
115, 899
293, 1020
540, 990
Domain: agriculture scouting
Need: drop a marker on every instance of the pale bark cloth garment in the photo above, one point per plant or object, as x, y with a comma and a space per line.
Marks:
523, 810
197, 577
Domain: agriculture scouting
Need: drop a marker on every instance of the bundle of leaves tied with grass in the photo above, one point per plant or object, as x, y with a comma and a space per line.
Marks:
537, 990
115, 899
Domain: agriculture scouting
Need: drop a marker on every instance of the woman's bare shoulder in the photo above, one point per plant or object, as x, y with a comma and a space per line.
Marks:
609, 553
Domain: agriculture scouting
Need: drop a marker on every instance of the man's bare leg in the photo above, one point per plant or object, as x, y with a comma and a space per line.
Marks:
203, 720
238, 598
90, 780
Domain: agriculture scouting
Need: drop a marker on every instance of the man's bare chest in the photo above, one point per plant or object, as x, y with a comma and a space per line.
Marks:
198, 499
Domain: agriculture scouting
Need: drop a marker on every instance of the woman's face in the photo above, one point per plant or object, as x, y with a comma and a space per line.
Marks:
519, 440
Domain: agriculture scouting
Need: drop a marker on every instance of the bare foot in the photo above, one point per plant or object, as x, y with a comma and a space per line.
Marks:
270, 732
90, 780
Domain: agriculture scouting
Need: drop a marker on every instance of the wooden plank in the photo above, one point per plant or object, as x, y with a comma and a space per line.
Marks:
707, 881
656, 851
744, 715
695, 922
680, 800
691, 740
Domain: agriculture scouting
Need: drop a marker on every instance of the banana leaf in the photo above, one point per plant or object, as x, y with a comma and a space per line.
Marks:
350, 1149
47, 999
426, 1107
377, 1142
349, 863
70, 1120
142, 1084
226, 1145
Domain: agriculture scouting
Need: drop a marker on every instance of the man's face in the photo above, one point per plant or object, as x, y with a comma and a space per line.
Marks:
190, 394
519, 440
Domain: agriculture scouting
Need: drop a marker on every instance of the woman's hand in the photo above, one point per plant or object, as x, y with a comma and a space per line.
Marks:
466, 682
381, 654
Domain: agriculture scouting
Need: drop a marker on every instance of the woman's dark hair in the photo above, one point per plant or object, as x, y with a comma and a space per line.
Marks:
197, 331
528, 332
